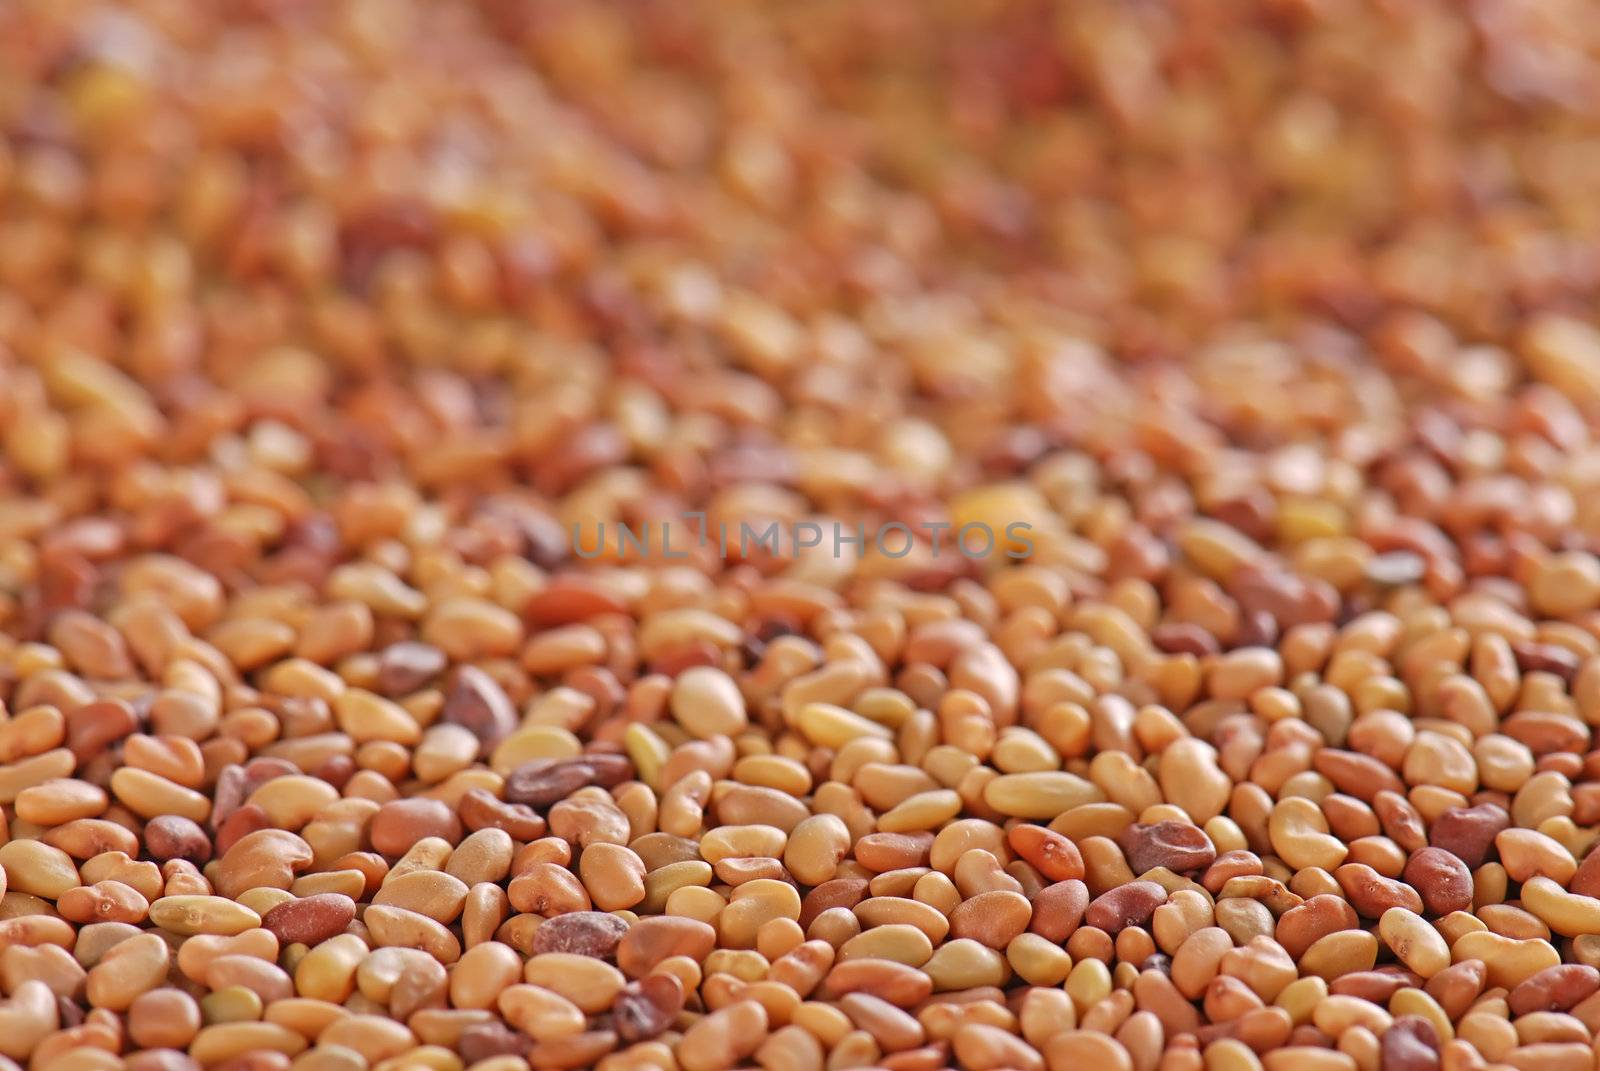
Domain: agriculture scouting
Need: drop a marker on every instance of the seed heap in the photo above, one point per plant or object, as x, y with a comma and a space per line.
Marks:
321, 325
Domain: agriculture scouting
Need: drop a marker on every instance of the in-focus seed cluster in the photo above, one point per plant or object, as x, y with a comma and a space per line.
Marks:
323, 325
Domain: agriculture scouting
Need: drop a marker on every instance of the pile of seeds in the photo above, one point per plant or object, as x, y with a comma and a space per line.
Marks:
328, 742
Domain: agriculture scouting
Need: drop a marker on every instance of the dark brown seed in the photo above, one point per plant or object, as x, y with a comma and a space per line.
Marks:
544, 782
481, 1041
479, 809
1181, 637
1468, 832
837, 892
584, 933
1178, 846
1410, 1044
1257, 628
611, 768
336, 770
1127, 905
171, 836
1442, 880
647, 1007
1545, 658
406, 666
476, 702
228, 795
311, 919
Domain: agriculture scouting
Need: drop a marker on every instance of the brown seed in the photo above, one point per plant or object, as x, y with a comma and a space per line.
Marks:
244, 820
401, 823
1058, 910
584, 933
1410, 1044
1127, 905
1303, 925
1554, 989
1441, 879
548, 889
406, 666
569, 600
545, 781
992, 918
1372, 894
474, 701
1374, 986
170, 836
572, 1051
647, 1007
881, 852
265, 858
311, 357
1053, 855
310, 920
1586, 882
479, 809
1361, 776
1178, 846
1458, 985
484, 1041
837, 892
93, 727
651, 940
1468, 832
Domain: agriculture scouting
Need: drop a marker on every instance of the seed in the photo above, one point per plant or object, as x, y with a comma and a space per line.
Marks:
1178, 846
474, 702
1127, 905
543, 782
707, 703
400, 824
171, 836
310, 920
583, 933
647, 1007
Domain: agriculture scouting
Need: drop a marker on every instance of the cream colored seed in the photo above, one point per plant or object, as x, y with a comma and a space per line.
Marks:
826, 725
188, 915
